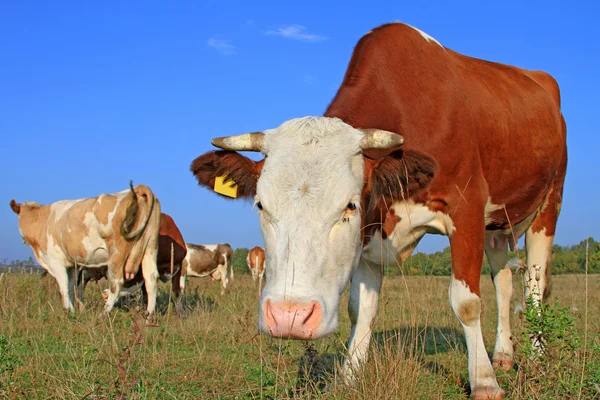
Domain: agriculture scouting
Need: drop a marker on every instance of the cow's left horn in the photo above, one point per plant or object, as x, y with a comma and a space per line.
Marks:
245, 142
379, 139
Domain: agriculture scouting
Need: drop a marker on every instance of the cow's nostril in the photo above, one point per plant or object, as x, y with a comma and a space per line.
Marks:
293, 320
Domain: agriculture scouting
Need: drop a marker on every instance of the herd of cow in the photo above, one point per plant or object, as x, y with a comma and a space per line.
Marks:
418, 139
78, 241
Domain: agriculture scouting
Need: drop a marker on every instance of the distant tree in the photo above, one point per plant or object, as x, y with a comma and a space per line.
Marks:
239, 261
565, 260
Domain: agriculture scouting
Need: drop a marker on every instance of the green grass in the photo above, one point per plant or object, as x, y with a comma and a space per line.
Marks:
418, 350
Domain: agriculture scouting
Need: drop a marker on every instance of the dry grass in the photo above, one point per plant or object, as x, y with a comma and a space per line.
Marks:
418, 350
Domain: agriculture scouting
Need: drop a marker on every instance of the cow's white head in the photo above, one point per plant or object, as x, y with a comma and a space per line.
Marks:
309, 190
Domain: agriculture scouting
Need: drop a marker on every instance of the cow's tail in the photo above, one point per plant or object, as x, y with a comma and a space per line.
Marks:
133, 209
256, 265
16, 207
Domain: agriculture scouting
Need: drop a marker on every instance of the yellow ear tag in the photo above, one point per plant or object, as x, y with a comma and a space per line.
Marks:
226, 189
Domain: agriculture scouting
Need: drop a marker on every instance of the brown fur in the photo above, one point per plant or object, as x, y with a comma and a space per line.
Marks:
469, 311
205, 261
243, 171
131, 213
169, 234
474, 130
256, 253
15, 207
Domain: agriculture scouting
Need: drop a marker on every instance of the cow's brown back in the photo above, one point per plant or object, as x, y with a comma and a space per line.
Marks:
477, 119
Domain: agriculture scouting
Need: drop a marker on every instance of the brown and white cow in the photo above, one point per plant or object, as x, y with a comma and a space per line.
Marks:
117, 230
204, 260
255, 260
418, 139
169, 239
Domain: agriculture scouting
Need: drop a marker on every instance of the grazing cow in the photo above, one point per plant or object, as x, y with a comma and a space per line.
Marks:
168, 235
418, 139
205, 260
117, 230
255, 260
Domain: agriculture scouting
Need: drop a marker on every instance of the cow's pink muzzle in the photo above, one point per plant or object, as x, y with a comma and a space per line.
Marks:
293, 320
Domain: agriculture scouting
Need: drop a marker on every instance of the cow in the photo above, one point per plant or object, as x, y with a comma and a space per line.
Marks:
204, 260
418, 139
169, 239
118, 230
255, 260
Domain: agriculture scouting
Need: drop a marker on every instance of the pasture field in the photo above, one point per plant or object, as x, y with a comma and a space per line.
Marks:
418, 350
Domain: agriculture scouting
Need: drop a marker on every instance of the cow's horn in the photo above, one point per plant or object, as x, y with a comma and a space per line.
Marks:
379, 139
245, 142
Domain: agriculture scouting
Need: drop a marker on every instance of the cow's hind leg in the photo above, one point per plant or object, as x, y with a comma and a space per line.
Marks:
69, 293
115, 282
538, 243
362, 307
80, 289
540, 236
224, 277
466, 245
150, 272
497, 255
66, 281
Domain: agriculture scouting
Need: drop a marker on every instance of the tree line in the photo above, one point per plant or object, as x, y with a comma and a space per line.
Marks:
565, 260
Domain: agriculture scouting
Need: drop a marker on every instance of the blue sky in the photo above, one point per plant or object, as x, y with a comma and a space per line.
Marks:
93, 95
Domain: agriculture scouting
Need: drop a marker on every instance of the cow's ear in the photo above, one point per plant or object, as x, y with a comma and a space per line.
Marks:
399, 175
227, 173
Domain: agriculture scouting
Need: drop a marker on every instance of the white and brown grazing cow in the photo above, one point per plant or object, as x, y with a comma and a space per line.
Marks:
418, 139
204, 260
255, 260
171, 253
117, 230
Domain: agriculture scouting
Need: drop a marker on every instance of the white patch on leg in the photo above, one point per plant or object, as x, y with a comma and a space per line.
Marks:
539, 252
149, 271
467, 308
502, 275
362, 307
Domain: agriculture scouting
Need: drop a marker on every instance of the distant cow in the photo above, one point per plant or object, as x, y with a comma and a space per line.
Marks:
205, 260
117, 230
255, 260
169, 235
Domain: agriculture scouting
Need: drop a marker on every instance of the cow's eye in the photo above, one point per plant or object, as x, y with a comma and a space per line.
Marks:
259, 205
351, 206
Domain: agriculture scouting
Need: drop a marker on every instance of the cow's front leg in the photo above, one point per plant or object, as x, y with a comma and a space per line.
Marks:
362, 307
466, 245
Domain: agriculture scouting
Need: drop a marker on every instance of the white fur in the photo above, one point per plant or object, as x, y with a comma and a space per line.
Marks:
313, 170
415, 221
502, 276
481, 373
539, 251
490, 208
426, 36
362, 307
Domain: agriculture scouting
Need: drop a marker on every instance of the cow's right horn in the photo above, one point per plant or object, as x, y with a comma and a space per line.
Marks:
245, 142
380, 139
